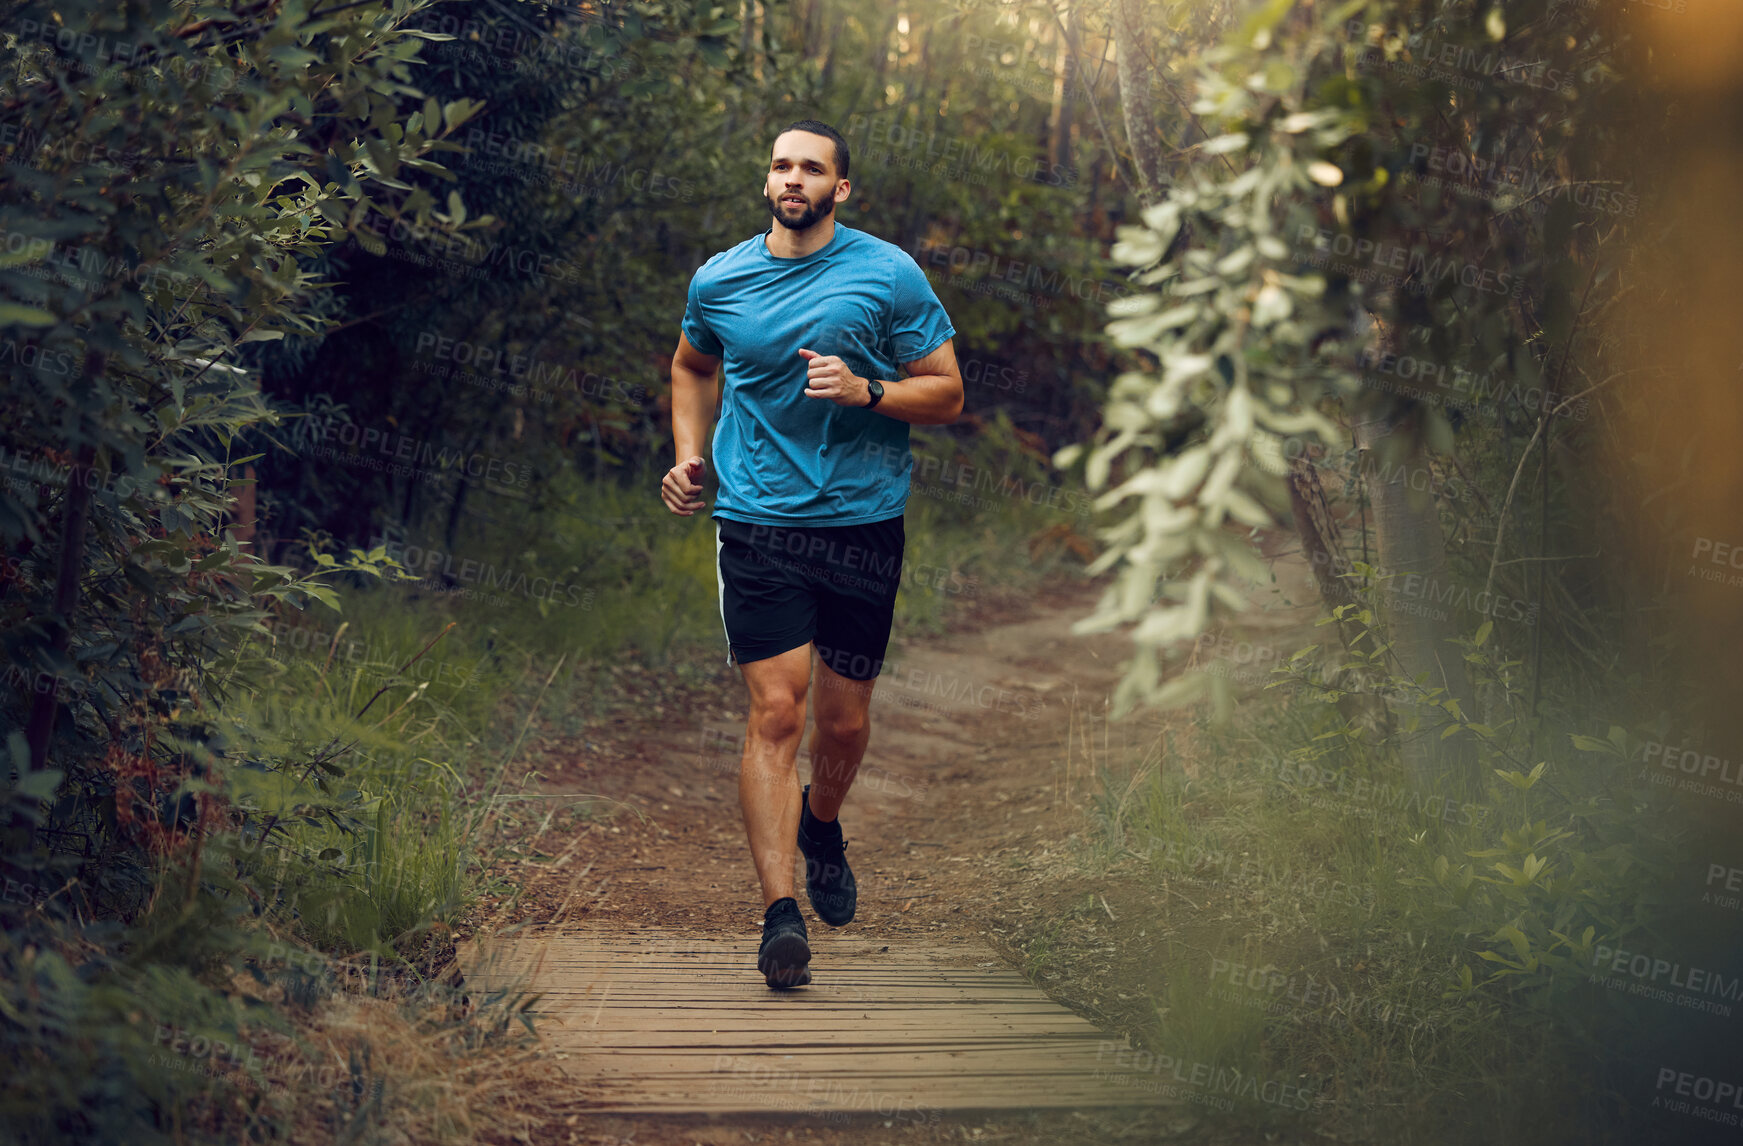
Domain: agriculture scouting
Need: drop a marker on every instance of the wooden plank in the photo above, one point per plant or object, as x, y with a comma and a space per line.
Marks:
666, 1021
721, 1021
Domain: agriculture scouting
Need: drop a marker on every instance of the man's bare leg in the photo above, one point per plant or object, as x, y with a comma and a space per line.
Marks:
768, 782
842, 711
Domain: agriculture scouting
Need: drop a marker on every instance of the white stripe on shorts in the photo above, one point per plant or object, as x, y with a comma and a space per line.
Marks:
720, 582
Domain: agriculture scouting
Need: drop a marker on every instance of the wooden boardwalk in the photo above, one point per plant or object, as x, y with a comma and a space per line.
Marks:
656, 1020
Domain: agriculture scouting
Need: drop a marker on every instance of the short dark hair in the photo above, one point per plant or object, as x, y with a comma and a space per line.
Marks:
818, 127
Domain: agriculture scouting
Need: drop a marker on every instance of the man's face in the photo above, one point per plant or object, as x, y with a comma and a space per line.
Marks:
802, 187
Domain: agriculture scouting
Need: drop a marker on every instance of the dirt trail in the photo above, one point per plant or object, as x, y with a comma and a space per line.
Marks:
971, 796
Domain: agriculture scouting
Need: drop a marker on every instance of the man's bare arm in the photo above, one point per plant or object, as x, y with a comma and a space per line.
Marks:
930, 395
695, 394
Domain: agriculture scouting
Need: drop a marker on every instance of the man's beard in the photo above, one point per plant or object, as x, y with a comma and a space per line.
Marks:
806, 218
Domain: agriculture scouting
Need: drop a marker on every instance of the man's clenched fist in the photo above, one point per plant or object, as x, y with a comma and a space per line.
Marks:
827, 376
681, 488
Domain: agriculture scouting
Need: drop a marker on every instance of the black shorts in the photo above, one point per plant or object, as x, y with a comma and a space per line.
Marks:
783, 586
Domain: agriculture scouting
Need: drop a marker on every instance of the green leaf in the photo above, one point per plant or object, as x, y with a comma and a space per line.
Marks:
17, 314
457, 112
1223, 144
25, 255
1521, 945
713, 53
322, 594
40, 785
293, 57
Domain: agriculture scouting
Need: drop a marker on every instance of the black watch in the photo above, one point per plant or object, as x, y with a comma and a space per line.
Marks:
877, 393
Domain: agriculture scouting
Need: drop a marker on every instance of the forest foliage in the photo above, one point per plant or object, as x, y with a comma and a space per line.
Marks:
316, 314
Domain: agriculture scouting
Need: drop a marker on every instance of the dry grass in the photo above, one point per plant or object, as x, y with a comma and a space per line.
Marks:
430, 1062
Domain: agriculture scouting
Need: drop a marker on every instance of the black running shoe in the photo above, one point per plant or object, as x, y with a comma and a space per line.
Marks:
828, 879
786, 951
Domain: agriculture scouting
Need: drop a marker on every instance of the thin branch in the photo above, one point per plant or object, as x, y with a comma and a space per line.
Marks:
1094, 106
1542, 425
1590, 389
171, 321
1513, 486
371, 317
1560, 187
1567, 557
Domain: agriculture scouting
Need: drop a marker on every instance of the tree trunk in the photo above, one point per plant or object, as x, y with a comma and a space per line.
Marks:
1134, 61
1066, 78
245, 514
913, 218
752, 33
813, 25
75, 518
1409, 546
1318, 533
874, 84
827, 83
1322, 544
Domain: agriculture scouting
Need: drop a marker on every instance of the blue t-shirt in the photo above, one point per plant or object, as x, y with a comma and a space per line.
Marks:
784, 458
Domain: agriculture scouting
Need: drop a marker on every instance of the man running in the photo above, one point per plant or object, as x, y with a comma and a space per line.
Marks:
811, 318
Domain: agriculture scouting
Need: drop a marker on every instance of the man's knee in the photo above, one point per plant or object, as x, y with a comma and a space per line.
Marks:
777, 719
843, 724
